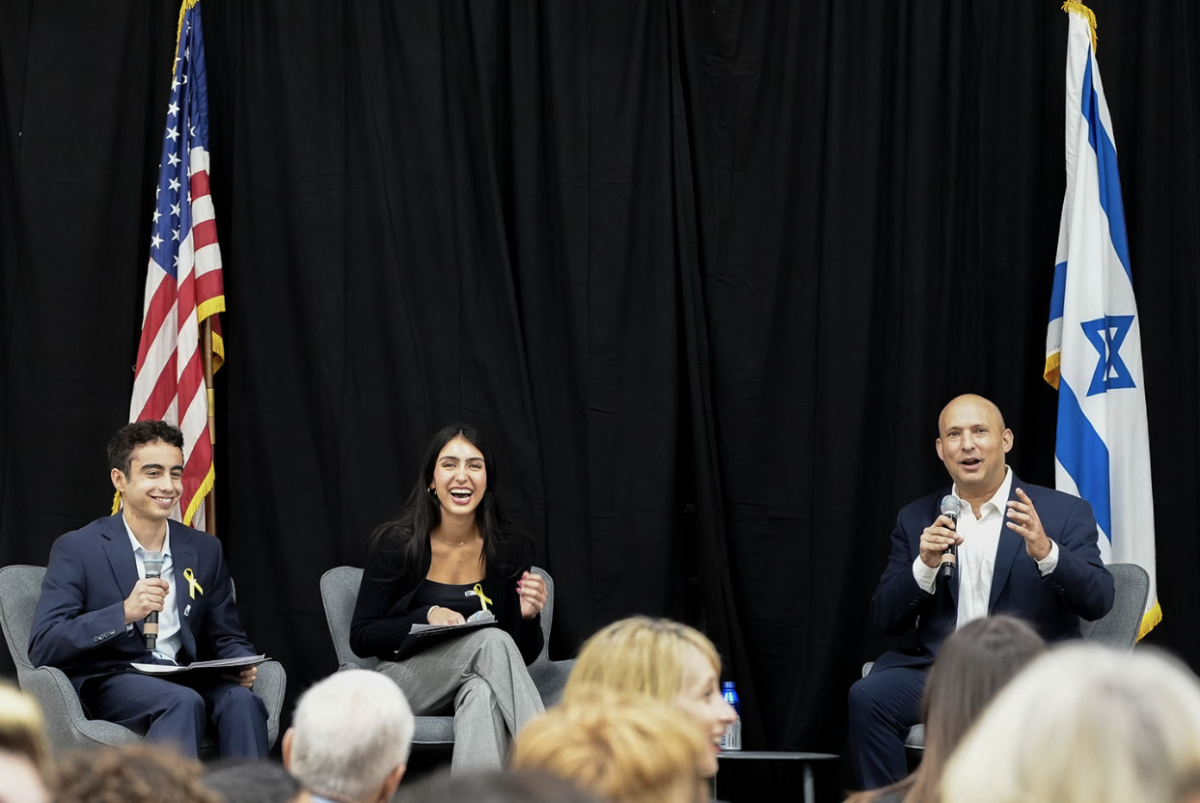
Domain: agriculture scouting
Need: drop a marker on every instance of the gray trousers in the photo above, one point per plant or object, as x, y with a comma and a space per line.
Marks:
482, 678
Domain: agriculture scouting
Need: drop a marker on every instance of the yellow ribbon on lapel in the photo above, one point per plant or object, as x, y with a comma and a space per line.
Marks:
194, 586
484, 599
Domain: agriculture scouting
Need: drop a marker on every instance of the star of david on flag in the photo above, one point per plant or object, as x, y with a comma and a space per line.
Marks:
1093, 342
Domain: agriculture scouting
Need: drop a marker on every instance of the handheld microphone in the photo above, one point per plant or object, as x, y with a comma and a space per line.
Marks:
153, 563
950, 507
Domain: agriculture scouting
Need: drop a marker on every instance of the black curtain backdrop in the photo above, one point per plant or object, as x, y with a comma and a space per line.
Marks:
705, 271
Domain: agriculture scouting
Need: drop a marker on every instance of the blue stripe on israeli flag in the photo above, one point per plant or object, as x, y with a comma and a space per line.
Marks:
1110, 177
1083, 455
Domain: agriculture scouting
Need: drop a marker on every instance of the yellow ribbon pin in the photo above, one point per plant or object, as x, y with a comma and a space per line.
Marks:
484, 599
193, 586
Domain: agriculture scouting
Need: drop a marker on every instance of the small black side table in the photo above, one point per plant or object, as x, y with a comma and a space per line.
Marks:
806, 760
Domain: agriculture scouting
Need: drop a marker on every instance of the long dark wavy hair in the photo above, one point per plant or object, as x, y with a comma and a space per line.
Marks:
407, 537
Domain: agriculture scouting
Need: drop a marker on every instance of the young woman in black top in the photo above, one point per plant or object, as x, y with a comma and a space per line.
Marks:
451, 554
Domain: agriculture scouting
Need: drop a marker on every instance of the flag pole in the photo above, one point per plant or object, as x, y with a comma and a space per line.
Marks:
210, 501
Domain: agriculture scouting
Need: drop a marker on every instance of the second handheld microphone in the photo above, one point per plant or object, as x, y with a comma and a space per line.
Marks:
950, 507
153, 563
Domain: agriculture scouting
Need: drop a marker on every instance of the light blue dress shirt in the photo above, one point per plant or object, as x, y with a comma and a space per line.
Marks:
170, 638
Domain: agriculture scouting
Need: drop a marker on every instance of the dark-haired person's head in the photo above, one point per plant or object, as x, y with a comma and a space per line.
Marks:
139, 433
458, 449
971, 668
132, 773
146, 459
495, 786
243, 780
457, 483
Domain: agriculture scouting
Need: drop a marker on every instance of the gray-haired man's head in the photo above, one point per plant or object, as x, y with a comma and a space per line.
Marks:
350, 737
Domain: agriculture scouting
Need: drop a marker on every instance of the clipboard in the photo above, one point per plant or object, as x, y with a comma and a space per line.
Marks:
423, 636
171, 670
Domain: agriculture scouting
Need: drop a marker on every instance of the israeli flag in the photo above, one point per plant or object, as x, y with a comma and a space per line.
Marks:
1093, 344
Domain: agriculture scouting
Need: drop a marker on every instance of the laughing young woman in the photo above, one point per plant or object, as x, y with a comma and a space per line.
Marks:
449, 555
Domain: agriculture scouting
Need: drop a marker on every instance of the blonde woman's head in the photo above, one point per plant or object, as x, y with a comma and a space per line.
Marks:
621, 747
1083, 724
640, 655
22, 728
665, 660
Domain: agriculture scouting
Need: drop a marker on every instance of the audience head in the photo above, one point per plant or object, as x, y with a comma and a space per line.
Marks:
495, 786
1083, 723
624, 748
350, 737
666, 660
22, 728
253, 781
22, 783
971, 668
132, 773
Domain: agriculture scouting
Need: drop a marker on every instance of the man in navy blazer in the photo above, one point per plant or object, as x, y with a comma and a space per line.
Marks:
1023, 550
95, 598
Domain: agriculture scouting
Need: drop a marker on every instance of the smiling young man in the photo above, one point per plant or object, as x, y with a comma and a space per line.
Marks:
95, 598
1023, 550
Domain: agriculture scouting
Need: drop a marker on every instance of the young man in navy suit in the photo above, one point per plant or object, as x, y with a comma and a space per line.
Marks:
95, 598
1023, 550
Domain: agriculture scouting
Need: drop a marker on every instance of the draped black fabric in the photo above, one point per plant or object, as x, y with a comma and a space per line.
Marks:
704, 271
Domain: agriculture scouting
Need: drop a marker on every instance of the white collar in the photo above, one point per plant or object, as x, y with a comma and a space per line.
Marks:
998, 500
166, 546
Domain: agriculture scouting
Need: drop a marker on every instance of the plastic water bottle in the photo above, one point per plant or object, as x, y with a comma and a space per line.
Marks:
732, 740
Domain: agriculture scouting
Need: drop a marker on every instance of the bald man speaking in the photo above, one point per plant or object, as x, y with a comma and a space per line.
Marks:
1022, 550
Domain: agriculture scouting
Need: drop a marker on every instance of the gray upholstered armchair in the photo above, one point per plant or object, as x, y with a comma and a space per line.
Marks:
339, 591
67, 726
1117, 629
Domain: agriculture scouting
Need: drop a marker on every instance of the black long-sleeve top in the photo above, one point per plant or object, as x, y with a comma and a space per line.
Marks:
384, 612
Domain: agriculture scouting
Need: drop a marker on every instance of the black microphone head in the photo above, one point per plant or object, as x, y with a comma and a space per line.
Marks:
154, 563
950, 506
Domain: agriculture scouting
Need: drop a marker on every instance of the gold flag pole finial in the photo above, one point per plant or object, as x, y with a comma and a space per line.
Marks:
1079, 8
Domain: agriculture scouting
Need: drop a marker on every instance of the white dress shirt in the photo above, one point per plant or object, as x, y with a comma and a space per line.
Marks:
170, 638
977, 553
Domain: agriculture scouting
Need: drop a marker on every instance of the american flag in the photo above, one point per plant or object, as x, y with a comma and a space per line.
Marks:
183, 284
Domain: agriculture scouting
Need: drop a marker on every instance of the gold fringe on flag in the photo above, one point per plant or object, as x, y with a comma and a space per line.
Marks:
1150, 619
183, 10
1079, 8
1050, 374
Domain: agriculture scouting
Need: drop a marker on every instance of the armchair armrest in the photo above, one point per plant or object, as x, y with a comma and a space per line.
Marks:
66, 724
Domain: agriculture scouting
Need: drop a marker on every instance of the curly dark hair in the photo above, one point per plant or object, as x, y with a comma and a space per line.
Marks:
133, 773
131, 436
407, 537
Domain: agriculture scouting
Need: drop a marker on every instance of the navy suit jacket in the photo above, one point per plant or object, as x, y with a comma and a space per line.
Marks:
79, 624
1079, 587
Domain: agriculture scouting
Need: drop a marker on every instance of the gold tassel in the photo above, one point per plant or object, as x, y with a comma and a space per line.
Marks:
183, 10
1085, 12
